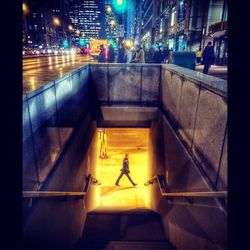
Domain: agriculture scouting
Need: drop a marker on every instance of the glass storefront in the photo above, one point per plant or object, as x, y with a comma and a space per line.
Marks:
181, 43
220, 49
171, 43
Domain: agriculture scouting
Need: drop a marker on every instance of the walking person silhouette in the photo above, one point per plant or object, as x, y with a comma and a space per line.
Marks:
125, 170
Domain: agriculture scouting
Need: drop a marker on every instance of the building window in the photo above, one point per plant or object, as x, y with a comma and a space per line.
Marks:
34, 15
35, 27
182, 11
173, 15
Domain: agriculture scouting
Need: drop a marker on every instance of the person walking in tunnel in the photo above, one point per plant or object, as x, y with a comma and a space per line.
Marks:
125, 170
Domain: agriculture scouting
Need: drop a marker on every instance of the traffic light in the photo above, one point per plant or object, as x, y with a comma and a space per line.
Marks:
65, 44
81, 42
119, 5
111, 41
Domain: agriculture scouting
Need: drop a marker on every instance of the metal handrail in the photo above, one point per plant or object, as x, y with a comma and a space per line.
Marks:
40, 194
185, 194
36, 194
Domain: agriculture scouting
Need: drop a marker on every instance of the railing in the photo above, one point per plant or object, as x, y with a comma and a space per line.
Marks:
40, 194
158, 179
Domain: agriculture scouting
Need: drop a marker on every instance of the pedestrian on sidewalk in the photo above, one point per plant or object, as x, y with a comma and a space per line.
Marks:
128, 55
139, 54
208, 57
125, 170
121, 54
165, 54
198, 56
111, 54
158, 56
102, 57
133, 52
170, 56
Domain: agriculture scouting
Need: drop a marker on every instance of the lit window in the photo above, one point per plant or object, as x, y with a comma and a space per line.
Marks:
173, 18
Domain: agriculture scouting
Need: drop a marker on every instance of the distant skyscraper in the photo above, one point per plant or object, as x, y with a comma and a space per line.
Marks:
87, 18
110, 20
130, 19
73, 16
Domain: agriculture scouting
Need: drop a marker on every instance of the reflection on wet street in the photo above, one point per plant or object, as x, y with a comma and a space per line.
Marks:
135, 143
38, 71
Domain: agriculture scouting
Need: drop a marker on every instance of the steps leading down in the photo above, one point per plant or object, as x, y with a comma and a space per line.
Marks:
122, 231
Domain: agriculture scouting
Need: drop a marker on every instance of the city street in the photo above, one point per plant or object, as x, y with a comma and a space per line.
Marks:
37, 71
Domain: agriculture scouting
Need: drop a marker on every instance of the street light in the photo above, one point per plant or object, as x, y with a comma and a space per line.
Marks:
25, 8
109, 10
78, 32
70, 27
112, 23
56, 21
25, 12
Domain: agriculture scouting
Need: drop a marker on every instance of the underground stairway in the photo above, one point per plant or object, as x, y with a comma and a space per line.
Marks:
122, 221
184, 142
139, 230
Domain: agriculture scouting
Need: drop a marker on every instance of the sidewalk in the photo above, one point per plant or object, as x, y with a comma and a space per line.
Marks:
214, 70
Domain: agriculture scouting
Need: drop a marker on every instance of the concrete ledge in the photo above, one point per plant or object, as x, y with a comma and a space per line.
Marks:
121, 113
99, 78
219, 86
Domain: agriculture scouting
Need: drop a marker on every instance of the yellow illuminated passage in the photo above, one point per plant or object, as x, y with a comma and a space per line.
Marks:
113, 144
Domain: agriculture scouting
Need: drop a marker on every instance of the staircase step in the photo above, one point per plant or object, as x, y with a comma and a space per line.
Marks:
120, 210
125, 245
145, 226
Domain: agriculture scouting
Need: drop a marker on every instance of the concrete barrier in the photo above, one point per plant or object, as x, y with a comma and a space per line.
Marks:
197, 106
126, 83
50, 114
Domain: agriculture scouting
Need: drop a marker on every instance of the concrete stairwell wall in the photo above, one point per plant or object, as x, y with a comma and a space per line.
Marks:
58, 114
127, 94
196, 107
192, 135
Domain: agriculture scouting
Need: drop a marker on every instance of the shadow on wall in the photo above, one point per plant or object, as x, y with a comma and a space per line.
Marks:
197, 227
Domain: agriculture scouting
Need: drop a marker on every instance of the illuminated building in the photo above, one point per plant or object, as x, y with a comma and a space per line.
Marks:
184, 25
88, 18
110, 20
41, 29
